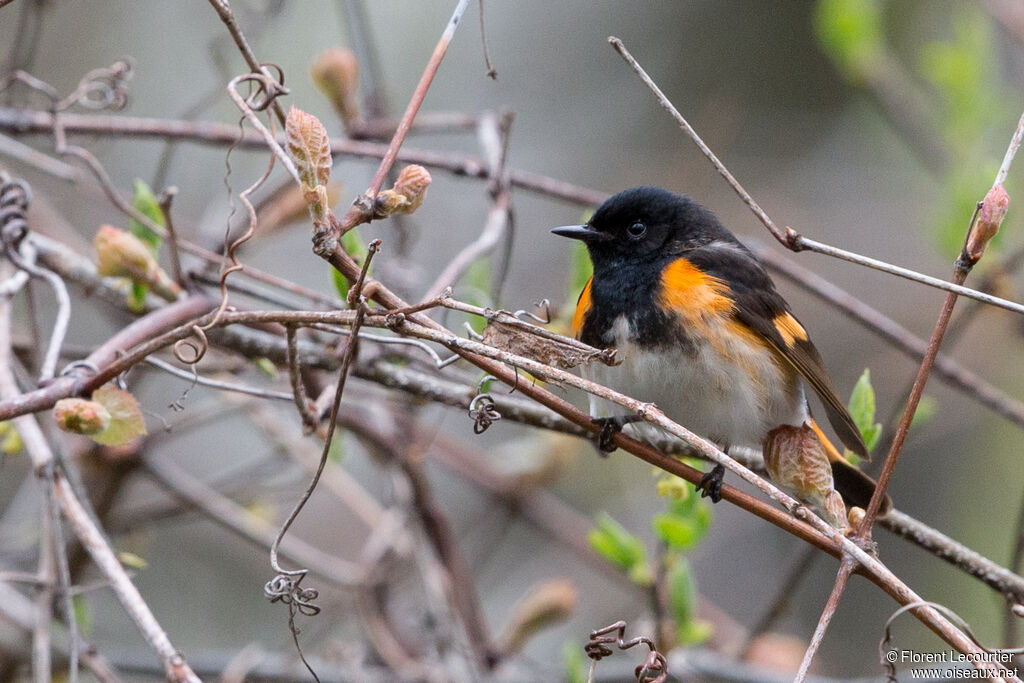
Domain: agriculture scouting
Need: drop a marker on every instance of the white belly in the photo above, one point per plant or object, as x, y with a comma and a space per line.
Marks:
731, 392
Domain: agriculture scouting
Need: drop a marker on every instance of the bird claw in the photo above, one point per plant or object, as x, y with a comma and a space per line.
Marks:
710, 485
610, 426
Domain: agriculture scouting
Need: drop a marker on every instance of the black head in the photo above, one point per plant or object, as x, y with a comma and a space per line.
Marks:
646, 222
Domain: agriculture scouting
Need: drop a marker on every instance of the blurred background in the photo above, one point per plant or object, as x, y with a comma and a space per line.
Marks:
873, 126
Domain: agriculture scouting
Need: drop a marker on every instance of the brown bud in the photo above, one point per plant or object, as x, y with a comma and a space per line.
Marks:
990, 217
545, 604
797, 462
406, 196
856, 516
122, 254
80, 416
309, 146
335, 72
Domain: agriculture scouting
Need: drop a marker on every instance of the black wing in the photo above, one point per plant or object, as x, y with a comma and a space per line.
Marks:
761, 308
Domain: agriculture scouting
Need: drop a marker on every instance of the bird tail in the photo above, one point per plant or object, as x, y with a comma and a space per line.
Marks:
855, 487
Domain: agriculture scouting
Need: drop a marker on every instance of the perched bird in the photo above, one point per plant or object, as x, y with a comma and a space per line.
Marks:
702, 333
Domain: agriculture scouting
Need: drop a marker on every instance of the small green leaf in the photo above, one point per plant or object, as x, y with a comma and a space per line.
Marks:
926, 410
684, 524
682, 591
850, 31
614, 543
336, 453
145, 202
11, 444
572, 663
126, 421
580, 270
678, 532
356, 247
672, 486
82, 614
136, 298
862, 402
695, 632
131, 560
266, 366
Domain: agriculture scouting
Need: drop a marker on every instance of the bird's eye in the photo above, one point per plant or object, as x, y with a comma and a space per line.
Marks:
637, 230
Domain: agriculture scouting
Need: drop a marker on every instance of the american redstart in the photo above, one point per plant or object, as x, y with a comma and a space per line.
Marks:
702, 333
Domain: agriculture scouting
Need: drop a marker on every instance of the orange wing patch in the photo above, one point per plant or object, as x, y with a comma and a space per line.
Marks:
583, 305
689, 292
789, 329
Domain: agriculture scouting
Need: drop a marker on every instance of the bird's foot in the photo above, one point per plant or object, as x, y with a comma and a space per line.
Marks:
610, 426
710, 485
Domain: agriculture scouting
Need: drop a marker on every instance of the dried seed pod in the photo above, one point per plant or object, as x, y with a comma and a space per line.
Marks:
335, 72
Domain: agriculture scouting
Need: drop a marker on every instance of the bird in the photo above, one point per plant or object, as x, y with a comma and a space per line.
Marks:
702, 332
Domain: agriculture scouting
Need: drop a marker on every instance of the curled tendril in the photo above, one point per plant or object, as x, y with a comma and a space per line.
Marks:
544, 318
267, 88
76, 365
482, 409
286, 588
191, 350
653, 670
101, 89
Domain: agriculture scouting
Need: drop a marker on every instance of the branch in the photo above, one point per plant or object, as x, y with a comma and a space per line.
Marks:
27, 121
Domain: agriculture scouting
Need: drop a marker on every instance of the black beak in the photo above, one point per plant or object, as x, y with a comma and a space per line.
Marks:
578, 232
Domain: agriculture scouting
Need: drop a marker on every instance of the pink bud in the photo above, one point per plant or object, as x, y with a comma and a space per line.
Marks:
990, 217
80, 416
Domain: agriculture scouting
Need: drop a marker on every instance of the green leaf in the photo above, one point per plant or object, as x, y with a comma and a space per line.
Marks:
82, 614
695, 632
145, 202
266, 366
137, 296
336, 453
11, 444
682, 591
850, 31
672, 486
684, 524
572, 663
862, 410
580, 270
871, 436
355, 246
476, 289
926, 410
614, 543
862, 402
131, 560
126, 421
678, 532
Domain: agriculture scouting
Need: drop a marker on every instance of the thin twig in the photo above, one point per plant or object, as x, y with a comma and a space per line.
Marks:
362, 208
789, 238
85, 528
223, 9
302, 400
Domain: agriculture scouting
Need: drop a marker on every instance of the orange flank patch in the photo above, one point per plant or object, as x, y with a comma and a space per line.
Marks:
789, 329
583, 305
692, 294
